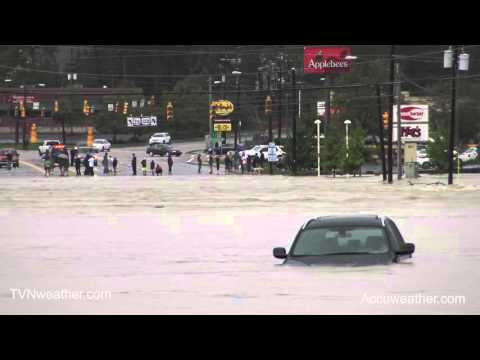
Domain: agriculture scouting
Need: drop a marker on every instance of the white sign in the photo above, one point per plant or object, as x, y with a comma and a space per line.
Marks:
320, 108
36, 106
272, 153
142, 103
414, 123
110, 107
134, 103
143, 121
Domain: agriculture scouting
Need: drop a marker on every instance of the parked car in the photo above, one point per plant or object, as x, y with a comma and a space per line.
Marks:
257, 150
85, 150
14, 160
101, 144
162, 150
423, 160
47, 144
347, 240
469, 154
163, 138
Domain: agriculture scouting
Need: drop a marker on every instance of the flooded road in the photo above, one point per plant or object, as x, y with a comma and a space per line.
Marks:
203, 245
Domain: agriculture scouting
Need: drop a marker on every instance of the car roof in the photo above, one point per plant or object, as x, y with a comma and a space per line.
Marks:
345, 220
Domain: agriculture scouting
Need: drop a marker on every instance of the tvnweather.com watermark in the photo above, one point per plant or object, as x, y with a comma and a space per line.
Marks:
416, 299
60, 295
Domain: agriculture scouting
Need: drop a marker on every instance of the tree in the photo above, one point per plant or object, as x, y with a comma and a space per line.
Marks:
357, 153
332, 154
110, 122
437, 151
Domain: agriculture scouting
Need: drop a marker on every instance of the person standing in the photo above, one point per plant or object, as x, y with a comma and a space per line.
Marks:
152, 167
262, 159
105, 165
73, 152
243, 162
249, 164
227, 164
210, 162
91, 165
158, 169
78, 165
144, 166
134, 165
199, 160
217, 163
170, 164
115, 164
110, 164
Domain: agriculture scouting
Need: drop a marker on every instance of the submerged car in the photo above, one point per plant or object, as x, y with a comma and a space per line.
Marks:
162, 150
347, 240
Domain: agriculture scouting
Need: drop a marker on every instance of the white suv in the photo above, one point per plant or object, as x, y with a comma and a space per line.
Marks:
101, 144
259, 149
470, 154
162, 138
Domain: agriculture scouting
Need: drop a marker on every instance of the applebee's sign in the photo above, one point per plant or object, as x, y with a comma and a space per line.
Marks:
322, 60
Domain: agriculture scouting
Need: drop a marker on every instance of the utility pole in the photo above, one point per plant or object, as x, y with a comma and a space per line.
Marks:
210, 111
24, 127
390, 116
280, 107
399, 123
294, 125
380, 121
327, 102
237, 112
452, 122
269, 114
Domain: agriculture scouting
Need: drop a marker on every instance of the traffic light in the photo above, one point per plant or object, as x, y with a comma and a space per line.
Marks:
22, 110
385, 119
55, 106
86, 108
125, 108
16, 111
169, 111
268, 105
116, 106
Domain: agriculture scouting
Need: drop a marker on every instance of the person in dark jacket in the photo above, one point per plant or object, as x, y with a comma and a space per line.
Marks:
227, 164
158, 169
262, 159
73, 152
115, 164
249, 164
78, 164
86, 165
210, 163
217, 162
170, 164
105, 164
152, 167
144, 166
199, 159
134, 165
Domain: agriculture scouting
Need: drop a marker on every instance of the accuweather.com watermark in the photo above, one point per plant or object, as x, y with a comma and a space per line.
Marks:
416, 299
60, 295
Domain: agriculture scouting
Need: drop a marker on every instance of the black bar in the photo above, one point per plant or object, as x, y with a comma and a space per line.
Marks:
294, 124
452, 122
390, 118
280, 107
382, 145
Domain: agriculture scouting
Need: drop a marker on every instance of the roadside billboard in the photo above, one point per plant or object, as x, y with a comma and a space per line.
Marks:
414, 122
325, 60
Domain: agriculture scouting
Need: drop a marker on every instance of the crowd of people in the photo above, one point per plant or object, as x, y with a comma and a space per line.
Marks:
233, 162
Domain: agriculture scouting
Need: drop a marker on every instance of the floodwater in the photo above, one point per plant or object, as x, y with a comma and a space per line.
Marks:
203, 245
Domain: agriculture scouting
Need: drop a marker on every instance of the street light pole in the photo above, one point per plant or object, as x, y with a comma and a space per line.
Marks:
390, 117
210, 112
318, 122
346, 122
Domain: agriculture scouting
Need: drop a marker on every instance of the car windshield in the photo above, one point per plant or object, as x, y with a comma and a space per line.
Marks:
341, 240
53, 142
159, 134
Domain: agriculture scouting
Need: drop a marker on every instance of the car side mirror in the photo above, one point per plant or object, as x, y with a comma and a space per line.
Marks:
407, 249
280, 253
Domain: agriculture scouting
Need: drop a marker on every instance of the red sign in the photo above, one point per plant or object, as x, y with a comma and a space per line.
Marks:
411, 113
17, 99
322, 60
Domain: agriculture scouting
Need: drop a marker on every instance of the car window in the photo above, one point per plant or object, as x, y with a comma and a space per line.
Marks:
322, 241
394, 232
53, 142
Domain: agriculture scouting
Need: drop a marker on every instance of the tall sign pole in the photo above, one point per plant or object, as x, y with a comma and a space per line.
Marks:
210, 100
